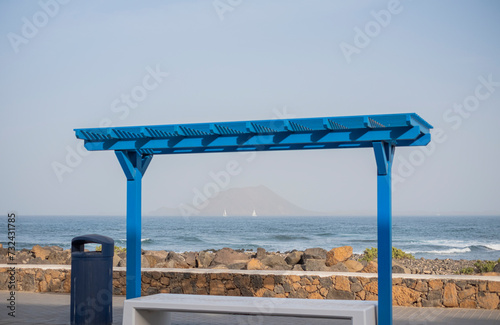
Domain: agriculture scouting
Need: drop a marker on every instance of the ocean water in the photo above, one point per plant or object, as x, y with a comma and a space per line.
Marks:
430, 237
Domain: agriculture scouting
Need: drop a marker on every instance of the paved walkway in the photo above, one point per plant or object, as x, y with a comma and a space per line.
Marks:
49, 308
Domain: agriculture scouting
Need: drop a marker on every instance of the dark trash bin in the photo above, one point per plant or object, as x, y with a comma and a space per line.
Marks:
92, 281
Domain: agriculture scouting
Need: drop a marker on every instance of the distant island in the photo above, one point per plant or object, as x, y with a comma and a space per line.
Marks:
242, 202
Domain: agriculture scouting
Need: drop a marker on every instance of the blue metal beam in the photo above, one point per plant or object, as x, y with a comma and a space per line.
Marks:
291, 134
384, 154
295, 141
134, 166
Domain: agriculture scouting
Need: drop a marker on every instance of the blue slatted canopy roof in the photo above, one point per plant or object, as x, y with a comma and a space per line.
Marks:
289, 134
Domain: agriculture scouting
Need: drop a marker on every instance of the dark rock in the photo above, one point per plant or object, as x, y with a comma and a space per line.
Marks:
356, 287
160, 255
59, 257
261, 253
287, 287
353, 279
176, 289
462, 284
497, 268
279, 279
341, 295
36, 260
314, 253
269, 294
410, 283
431, 303
4, 279
227, 256
123, 263
279, 289
204, 259
245, 292
152, 260
294, 257
315, 265
371, 267
300, 293
174, 256
339, 267
237, 266
145, 262
23, 257
256, 281
241, 282
28, 283
190, 258
276, 262
116, 260
396, 268
435, 295
175, 260
326, 282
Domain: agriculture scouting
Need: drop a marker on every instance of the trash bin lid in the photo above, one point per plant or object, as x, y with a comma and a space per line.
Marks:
107, 244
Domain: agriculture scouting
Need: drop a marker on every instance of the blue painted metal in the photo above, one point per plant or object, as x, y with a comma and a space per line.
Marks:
134, 165
91, 278
136, 145
291, 134
384, 154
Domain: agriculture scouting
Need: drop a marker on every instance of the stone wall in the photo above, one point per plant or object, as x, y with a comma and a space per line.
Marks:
408, 290
47, 278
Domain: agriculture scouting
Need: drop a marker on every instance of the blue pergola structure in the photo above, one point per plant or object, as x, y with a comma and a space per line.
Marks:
135, 146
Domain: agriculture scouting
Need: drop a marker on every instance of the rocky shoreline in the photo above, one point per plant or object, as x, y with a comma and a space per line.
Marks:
339, 259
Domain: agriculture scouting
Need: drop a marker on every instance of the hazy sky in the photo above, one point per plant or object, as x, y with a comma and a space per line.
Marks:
74, 64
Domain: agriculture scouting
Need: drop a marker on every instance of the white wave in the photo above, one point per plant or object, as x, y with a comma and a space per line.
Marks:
460, 243
444, 252
495, 247
447, 242
123, 240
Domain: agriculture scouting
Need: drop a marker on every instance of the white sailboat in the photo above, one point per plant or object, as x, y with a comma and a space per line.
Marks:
254, 214
224, 214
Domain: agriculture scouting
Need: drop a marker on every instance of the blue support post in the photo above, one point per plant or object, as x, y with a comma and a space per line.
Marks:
384, 153
134, 226
134, 165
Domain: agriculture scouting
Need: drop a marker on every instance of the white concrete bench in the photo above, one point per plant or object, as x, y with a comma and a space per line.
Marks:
157, 309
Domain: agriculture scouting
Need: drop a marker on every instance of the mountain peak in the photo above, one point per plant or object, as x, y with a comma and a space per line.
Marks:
243, 202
